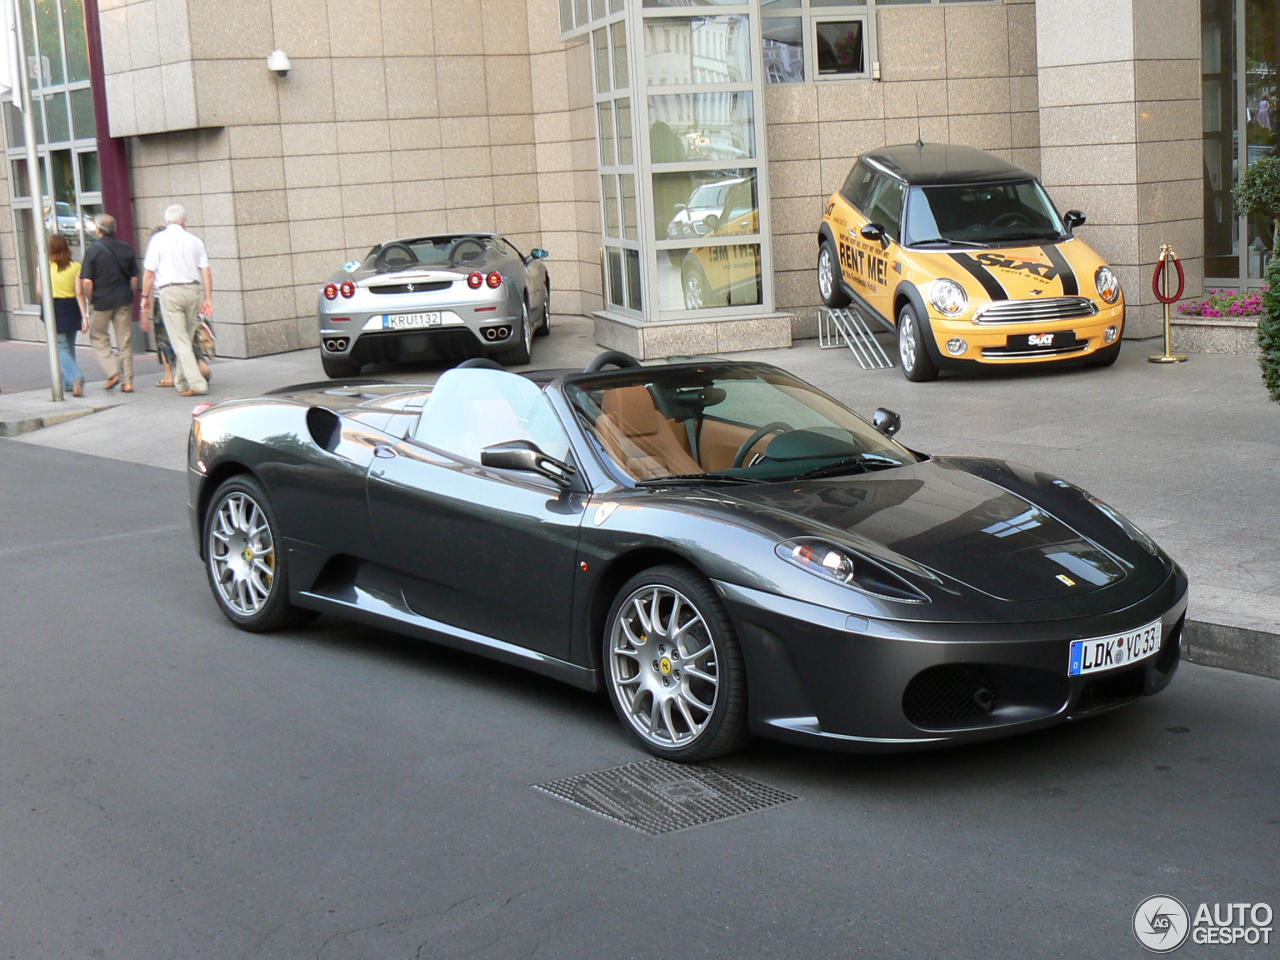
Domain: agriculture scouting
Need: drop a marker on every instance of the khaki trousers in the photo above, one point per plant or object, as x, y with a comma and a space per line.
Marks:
181, 304
118, 362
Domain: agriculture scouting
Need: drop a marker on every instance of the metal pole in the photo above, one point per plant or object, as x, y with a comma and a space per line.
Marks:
35, 179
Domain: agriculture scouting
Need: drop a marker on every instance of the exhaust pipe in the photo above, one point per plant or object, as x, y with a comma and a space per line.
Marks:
336, 344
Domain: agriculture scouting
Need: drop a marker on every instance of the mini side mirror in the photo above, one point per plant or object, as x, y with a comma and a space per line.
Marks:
537, 253
680, 206
711, 221
886, 421
874, 232
525, 455
1073, 219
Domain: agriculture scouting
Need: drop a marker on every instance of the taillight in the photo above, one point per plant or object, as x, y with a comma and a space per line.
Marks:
200, 408
475, 280
494, 279
330, 291
348, 289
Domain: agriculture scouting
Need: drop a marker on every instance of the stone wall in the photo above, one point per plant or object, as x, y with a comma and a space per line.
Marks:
956, 73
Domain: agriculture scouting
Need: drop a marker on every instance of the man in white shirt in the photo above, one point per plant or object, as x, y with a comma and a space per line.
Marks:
176, 265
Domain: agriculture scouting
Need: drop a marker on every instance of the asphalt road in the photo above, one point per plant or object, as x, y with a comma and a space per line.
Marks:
173, 788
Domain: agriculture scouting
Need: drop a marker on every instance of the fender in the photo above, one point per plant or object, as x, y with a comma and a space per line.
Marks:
907, 290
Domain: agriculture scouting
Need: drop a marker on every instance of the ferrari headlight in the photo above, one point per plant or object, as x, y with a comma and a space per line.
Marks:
1128, 526
821, 559
838, 565
1108, 284
947, 297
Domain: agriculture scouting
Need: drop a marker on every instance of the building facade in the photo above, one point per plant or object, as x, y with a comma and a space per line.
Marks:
624, 135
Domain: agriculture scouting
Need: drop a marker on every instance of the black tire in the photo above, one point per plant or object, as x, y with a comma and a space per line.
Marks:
1105, 357
693, 283
339, 369
834, 295
715, 732
522, 352
275, 610
917, 365
544, 328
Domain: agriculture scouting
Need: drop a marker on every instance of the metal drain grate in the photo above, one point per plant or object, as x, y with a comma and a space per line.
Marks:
657, 796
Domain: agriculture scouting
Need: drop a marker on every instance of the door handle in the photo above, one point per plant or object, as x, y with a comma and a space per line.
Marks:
385, 451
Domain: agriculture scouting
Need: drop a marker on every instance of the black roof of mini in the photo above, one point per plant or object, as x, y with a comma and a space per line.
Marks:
943, 163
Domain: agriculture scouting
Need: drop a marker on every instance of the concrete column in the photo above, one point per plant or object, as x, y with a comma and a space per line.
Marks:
1120, 133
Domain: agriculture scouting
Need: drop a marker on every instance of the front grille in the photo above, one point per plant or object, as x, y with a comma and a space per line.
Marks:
1034, 351
418, 286
1111, 689
949, 695
1036, 311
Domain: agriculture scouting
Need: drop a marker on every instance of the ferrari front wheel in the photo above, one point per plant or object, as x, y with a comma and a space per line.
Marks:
244, 558
673, 666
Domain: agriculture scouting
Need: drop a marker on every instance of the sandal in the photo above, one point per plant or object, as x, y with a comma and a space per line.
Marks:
164, 383
127, 388
111, 381
77, 389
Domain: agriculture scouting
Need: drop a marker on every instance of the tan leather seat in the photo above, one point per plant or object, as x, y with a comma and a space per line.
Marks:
637, 434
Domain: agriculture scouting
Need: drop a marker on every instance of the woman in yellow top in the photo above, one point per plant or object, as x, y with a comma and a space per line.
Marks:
68, 309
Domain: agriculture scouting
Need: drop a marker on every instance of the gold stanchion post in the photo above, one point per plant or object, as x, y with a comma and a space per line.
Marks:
1167, 298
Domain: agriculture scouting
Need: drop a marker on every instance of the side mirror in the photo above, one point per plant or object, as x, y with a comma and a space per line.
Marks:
525, 455
1073, 219
680, 206
537, 253
874, 232
886, 421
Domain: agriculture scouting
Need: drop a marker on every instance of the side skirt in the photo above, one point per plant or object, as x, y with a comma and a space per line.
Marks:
870, 310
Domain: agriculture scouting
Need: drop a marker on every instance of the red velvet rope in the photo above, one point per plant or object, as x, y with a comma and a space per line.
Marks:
1155, 281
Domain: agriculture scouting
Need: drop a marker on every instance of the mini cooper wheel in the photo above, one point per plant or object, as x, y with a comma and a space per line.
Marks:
916, 364
693, 280
522, 352
245, 560
829, 287
544, 328
339, 369
673, 666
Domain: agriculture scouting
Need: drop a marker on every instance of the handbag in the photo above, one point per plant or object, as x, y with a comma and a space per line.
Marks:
205, 339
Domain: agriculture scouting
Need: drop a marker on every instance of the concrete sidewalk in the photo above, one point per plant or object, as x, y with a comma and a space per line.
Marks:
1190, 452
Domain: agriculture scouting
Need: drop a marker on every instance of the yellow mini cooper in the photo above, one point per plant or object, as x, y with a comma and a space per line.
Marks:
966, 257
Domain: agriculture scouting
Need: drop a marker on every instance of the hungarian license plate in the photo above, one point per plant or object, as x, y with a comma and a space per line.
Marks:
1117, 650
1031, 342
411, 321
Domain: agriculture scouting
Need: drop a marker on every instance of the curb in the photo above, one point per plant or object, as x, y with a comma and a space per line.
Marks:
1232, 648
13, 423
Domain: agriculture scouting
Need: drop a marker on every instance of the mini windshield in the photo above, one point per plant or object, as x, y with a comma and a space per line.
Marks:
997, 214
744, 422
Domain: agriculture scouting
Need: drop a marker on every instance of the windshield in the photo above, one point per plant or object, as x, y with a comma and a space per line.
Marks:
454, 252
741, 421
997, 213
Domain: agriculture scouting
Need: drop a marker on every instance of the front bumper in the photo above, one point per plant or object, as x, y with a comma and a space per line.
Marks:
821, 677
986, 341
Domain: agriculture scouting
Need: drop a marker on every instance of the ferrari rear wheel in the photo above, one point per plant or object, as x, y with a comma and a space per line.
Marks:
522, 352
544, 328
245, 560
829, 287
339, 369
674, 668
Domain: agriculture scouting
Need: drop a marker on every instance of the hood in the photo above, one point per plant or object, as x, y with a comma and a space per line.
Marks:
1024, 272
961, 527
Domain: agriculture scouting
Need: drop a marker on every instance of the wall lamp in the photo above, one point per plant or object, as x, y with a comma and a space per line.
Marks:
279, 62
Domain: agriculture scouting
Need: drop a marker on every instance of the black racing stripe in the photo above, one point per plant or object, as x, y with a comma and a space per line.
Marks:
1070, 286
980, 273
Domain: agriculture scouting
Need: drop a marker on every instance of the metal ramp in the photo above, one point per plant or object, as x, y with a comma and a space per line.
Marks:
849, 328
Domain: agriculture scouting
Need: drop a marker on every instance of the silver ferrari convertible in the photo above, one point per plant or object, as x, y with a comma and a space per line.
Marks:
441, 297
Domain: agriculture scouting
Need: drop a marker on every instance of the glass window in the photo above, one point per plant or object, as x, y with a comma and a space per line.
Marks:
613, 257
627, 193
618, 34
90, 174
566, 15
83, 126
691, 205
581, 12
50, 42
55, 113
840, 47
632, 259
783, 50
701, 126
688, 50
976, 213
600, 45
13, 124
855, 185
610, 194
469, 410
604, 123
700, 278
597, 9
622, 113
693, 3
77, 46
884, 204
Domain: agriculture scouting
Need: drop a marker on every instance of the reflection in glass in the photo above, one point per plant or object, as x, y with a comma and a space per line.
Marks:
13, 124
613, 258
783, 50
622, 112
50, 43
26, 251
55, 111
701, 126
725, 275
839, 47
90, 174
610, 194
21, 185
693, 3
634, 300
604, 122
627, 190
76, 43
600, 45
1261, 104
688, 50
691, 205
769, 6
618, 32
1221, 227
597, 9
566, 15
82, 123
581, 12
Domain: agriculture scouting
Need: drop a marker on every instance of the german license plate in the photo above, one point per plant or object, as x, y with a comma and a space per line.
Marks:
1031, 342
1117, 650
411, 321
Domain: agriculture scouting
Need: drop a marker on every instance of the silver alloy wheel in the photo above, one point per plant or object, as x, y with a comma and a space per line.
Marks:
825, 274
526, 328
907, 340
693, 290
662, 665
242, 554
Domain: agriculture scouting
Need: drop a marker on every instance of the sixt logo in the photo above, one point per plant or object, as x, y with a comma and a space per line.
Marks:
1043, 270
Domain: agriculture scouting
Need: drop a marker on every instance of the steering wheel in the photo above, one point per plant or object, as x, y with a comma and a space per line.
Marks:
406, 258
1011, 218
460, 251
776, 427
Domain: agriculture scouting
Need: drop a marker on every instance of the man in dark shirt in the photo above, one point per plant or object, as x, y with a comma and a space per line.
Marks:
110, 275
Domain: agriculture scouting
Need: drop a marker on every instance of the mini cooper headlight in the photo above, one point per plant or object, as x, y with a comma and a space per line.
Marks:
1108, 284
948, 297
830, 562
